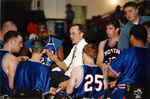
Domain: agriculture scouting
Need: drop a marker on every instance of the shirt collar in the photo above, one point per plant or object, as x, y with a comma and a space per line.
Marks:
81, 43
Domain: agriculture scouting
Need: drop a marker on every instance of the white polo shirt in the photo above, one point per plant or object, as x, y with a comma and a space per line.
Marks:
77, 61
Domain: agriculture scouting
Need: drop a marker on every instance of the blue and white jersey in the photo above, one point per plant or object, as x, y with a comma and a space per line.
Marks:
52, 43
1, 44
91, 81
133, 65
110, 52
4, 72
31, 75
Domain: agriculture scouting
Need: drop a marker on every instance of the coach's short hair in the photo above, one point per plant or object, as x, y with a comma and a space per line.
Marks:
139, 32
90, 50
11, 34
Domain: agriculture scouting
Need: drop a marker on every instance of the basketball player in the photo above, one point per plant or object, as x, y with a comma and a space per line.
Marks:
8, 62
87, 79
133, 65
50, 43
7, 26
32, 78
107, 49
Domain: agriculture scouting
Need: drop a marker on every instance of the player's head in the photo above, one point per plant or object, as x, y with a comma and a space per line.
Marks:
90, 50
77, 33
14, 40
7, 26
131, 12
138, 33
37, 46
42, 31
112, 27
147, 25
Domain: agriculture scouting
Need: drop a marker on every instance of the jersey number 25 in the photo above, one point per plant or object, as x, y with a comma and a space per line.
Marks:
88, 87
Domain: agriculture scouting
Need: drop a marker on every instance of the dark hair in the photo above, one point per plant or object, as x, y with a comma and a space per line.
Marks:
40, 24
69, 5
11, 34
81, 28
132, 4
139, 32
113, 22
147, 23
39, 48
90, 50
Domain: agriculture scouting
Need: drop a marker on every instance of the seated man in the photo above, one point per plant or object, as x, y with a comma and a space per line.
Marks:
133, 65
32, 74
87, 79
50, 43
8, 62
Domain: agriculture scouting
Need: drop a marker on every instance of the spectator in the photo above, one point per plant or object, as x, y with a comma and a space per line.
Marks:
131, 13
75, 56
8, 25
50, 43
32, 78
87, 79
8, 62
69, 16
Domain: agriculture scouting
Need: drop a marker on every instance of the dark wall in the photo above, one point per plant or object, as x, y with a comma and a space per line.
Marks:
13, 10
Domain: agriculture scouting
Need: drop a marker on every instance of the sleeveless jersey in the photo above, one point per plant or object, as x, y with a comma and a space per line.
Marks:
110, 53
4, 74
51, 43
134, 65
31, 75
91, 81
1, 44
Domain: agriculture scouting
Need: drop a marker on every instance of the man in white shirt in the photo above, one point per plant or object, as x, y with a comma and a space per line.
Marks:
74, 58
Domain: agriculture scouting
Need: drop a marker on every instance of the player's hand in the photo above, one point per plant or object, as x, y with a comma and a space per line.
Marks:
63, 85
112, 83
50, 54
53, 90
22, 58
104, 66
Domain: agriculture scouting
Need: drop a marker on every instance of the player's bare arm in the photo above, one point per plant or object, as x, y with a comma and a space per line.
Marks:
100, 56
111, 74
10, 63
74, 79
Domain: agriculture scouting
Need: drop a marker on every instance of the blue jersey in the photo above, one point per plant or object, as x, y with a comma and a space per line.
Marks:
1, 44
133, 65
31, 75
110, 52
51, 43
91, 81
4, 72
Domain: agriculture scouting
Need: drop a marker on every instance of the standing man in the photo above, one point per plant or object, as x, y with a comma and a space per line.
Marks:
69, 16
8, 25
133, 65
131, 13
87, 79
8, 62
74, 59
50, 43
